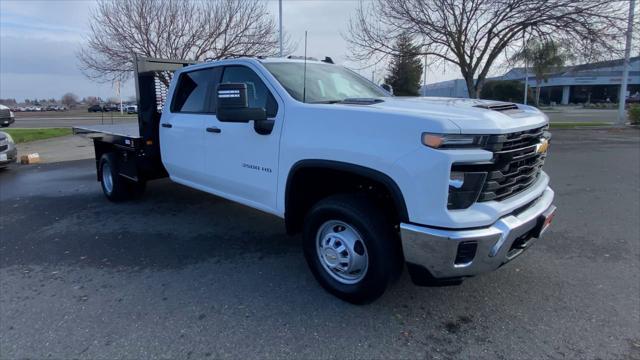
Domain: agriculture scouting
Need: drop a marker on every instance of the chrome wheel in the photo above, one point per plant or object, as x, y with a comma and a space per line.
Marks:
342, 252
107, 180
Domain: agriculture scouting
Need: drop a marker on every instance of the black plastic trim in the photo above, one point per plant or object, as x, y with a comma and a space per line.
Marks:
366, 172
421, 276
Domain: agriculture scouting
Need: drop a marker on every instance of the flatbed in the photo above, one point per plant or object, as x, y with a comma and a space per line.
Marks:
129, 130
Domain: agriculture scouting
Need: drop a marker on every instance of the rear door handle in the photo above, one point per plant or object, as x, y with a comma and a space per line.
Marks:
166, 125
214, 130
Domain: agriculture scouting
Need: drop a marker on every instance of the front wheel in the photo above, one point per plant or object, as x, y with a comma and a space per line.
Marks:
351, 248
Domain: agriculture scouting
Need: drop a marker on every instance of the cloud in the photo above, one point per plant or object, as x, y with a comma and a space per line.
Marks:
52, 20
21, 55
39, 39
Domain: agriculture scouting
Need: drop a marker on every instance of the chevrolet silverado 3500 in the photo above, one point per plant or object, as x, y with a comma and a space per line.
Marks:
450, 187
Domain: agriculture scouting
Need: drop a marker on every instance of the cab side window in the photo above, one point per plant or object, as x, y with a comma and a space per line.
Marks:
258, 94
194, 91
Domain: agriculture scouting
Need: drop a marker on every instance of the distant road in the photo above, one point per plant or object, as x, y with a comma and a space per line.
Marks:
44, 122
35, 120
582, 115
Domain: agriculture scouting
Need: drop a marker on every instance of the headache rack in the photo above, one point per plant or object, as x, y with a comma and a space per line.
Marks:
152, 84
137, 145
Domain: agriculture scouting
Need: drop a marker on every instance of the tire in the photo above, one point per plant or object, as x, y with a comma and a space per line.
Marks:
329, 230
115, 187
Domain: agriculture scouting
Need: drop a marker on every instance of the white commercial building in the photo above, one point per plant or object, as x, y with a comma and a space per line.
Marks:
593, 82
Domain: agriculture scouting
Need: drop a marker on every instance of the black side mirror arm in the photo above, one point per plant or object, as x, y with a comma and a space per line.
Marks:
263, 127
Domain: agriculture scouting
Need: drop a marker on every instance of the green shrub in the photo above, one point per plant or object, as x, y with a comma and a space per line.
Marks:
504, 90
634, 113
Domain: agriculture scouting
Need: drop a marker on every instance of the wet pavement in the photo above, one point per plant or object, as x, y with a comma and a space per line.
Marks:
181, 274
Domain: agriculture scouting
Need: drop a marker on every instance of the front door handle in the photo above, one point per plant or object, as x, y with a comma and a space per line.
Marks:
166, 125
214, 130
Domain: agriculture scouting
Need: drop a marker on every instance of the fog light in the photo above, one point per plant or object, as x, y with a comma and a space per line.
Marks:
456, 179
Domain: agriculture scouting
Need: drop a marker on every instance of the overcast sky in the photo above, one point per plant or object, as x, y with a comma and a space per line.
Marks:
39, 39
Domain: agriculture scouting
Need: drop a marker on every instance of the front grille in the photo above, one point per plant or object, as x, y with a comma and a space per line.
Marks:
5, 113
4, 147
515, 166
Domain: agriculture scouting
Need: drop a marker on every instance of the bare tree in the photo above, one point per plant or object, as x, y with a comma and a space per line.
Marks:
474, 34
92, 100
175, 29
69, 100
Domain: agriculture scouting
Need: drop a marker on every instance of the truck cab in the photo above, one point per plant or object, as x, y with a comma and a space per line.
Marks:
450, 187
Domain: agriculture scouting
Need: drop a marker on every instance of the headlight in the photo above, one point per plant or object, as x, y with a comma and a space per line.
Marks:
11, 114
464, 188
453, 141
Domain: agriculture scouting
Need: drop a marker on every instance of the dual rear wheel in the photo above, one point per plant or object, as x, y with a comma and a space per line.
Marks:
115, 187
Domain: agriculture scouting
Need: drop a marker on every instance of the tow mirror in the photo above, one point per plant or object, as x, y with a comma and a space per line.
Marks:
233, 104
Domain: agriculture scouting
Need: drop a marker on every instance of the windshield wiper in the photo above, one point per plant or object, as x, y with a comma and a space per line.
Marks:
361, 101
351, 101
326, 102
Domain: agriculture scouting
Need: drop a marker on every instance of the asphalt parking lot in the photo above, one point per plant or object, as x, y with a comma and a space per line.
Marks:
179, 274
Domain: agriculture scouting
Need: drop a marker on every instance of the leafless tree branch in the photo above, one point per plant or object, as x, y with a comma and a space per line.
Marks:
474, 34
175, 29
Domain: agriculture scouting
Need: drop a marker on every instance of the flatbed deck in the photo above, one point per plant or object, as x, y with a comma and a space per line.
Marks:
129, 130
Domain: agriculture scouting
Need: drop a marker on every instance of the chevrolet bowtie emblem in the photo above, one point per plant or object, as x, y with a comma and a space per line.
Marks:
542, 147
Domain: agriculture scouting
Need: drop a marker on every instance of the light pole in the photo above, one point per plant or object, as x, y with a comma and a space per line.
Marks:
424, 78
625, 68
526, 70
280, 19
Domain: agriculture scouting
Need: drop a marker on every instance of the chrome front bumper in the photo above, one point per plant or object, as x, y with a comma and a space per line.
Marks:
435, 250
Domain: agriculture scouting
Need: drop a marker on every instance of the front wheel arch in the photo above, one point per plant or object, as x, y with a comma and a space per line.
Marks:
311, 180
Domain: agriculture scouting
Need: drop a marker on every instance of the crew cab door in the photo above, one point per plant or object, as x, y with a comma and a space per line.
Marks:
182, 126
242, 164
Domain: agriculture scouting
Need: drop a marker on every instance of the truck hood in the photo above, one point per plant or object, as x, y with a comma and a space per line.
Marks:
471, 116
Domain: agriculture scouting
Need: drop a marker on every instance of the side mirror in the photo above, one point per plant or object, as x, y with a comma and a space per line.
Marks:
388, 88
233, 105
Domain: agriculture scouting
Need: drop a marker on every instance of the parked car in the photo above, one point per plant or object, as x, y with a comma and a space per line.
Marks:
6, 116
8, 150
95, 108
110, 107
132, 109
633, 99
451, 187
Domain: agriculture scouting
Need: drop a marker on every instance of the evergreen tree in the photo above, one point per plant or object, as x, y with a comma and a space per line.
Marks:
405, 68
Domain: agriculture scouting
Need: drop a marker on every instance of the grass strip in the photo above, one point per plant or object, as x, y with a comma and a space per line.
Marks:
577, 125
26, 135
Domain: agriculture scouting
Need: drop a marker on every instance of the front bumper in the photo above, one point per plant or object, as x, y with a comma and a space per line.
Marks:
7, 121
8, 156
435, 253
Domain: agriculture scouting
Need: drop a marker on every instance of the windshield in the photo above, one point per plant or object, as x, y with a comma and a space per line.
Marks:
326, 83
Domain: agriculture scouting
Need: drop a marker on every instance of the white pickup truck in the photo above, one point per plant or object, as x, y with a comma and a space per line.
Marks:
450, 187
